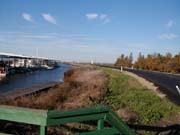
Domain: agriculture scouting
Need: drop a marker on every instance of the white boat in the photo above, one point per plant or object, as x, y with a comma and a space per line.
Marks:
47, 67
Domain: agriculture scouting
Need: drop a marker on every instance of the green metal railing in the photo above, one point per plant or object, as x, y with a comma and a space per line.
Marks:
46, 118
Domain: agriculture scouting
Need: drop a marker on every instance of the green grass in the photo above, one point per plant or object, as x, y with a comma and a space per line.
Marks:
125, 91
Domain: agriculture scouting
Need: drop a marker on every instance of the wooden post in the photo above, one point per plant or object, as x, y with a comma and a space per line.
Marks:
121, 68
100, 124
43, 130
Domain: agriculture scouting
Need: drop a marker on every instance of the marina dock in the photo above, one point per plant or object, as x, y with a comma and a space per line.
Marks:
13, 63
28, 91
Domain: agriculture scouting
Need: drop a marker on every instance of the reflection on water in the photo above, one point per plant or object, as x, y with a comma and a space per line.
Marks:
31, 79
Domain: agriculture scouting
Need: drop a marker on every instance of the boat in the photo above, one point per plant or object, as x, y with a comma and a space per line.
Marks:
48, 67
4, 71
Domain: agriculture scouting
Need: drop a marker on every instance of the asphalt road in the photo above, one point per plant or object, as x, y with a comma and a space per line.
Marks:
166, 82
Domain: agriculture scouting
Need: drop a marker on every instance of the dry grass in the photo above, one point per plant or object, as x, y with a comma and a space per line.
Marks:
91, 85
81, 87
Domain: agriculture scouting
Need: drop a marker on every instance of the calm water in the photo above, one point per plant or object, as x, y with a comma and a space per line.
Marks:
32, 79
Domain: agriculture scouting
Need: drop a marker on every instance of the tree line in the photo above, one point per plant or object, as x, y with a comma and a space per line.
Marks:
156, 62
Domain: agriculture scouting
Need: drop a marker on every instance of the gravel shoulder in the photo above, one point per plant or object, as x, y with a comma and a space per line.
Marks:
146, 83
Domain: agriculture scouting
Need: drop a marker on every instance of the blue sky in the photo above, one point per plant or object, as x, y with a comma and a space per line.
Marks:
84, 30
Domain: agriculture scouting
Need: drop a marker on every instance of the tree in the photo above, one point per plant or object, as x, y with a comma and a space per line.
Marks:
125, 61
156, 61
140, 63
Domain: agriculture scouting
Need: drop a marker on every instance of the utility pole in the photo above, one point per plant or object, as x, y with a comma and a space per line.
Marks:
37, 55
37, 52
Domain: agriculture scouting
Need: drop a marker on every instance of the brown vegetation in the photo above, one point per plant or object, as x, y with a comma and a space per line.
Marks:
81, 86
125, 61
128, 115
156, 62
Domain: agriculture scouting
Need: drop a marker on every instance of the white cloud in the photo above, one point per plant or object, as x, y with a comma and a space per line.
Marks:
92, 16
27, 17
49, 18
170, 24
168, 36
102, 17
38, 36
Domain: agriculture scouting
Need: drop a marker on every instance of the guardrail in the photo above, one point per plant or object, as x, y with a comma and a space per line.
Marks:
101, 114
46, 118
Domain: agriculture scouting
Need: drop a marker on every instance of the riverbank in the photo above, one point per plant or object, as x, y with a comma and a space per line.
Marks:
88, 85
80, 88
28, 91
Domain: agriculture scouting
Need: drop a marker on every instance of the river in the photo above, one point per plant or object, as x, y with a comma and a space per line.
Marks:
22, 81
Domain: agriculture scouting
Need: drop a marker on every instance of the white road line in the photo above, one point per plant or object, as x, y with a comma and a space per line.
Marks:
178, 89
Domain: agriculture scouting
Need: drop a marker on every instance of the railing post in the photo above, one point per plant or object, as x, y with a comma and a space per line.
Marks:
100, 124
43, 130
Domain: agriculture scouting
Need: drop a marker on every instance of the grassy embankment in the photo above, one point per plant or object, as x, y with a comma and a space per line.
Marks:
126, 92
86, 86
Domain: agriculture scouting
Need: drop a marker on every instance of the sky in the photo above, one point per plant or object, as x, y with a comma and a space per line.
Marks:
85, 30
